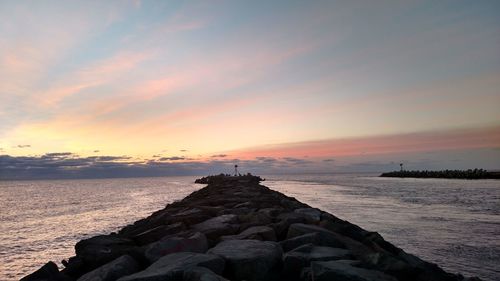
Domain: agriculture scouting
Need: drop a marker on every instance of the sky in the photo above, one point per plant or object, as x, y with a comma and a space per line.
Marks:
131, 88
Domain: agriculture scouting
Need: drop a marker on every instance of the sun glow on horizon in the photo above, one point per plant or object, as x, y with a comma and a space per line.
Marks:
193, 80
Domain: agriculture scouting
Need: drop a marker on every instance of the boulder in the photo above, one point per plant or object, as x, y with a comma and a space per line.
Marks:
48, 272
99, 250
264, 233
215, 227
157, 233
201, 274
173, 266
345, 270
254, 219
284, 222
197, 243
294, 261
311, 214
272, 212
292, 243
391, 265
251, 260
122, 266
326, 238
189, 216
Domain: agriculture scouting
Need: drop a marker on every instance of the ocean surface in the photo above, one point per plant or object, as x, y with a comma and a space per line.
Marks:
454, 223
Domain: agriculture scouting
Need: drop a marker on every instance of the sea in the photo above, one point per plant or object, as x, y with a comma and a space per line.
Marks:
454, 223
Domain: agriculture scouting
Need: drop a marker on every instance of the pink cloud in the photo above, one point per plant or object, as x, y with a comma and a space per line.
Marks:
414, 142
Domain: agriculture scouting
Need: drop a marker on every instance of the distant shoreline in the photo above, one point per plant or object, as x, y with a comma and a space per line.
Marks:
475, 174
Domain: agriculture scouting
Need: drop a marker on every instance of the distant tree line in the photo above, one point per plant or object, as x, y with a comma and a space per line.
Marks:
447, 174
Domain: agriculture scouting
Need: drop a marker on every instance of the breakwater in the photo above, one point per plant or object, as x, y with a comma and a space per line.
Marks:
471, 174
237, 229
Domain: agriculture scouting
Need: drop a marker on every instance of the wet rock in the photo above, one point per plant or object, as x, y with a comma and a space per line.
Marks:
326, 238
249, 259
215, 227
48, 272
295, 260
201, 274
263, 233
157, 233
197, 243
345, 270
173, 266
99, 250
122, 266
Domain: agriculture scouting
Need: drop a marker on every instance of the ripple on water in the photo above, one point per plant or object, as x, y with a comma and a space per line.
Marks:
42, 220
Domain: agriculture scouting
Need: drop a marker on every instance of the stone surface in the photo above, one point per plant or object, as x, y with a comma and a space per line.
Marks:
297, 241
157, 233
311, 214
327, 238
201, 274
345, 271
173, 266
249, 259
196, 243
48, 272
102, 249
295, 260
264, 233
122, 266
215, 227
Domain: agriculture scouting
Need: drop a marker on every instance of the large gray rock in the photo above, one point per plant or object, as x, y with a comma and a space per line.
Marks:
310, 214
284, 222
346, 271
264, 233
173, 266
197, 243
99, 250
251, 260
301, 257
156, 233
327, 238
48, 272
189, 216
122, 266
294, 242
215, 227
201, 274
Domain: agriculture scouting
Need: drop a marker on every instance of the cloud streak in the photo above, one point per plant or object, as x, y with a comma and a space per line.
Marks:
457, 139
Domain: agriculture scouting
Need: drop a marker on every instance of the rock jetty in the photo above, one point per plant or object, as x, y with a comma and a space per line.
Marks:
236, 229
471, 174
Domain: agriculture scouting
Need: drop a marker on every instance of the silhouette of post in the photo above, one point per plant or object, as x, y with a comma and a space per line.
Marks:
401, 165
235, 170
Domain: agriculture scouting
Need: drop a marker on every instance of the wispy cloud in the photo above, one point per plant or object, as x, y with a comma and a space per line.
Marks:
23, 145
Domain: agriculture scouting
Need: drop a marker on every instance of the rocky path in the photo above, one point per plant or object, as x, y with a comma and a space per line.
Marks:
237, 229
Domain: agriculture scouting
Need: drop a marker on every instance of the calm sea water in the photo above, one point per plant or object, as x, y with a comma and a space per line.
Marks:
455, 223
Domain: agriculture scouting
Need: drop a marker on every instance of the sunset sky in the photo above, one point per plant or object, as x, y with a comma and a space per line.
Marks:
194, 86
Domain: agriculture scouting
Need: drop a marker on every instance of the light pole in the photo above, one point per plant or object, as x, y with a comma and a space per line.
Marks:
235, 170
